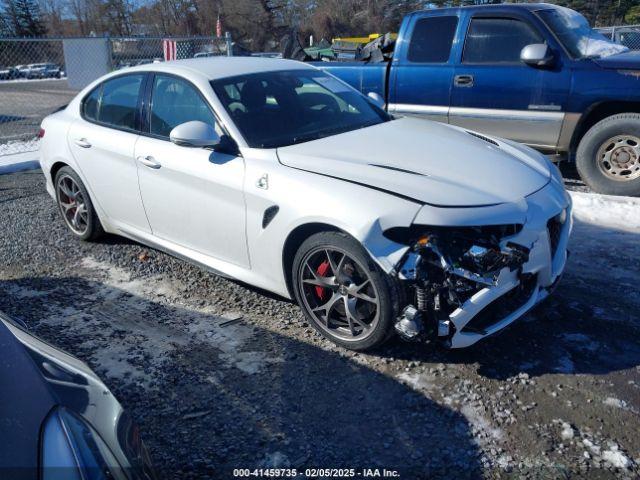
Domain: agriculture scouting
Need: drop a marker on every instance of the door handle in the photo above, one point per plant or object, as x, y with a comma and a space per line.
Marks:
82, 142
463, 80
149, 161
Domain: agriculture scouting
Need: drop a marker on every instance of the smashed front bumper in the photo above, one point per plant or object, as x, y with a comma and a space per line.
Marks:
495, 300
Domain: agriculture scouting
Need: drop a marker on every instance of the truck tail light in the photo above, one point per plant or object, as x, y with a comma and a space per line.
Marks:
41, 133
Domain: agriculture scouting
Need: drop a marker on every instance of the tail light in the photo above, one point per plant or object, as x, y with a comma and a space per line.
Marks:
41, 133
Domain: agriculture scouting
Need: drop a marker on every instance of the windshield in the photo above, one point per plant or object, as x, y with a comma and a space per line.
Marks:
274, 109
573, 30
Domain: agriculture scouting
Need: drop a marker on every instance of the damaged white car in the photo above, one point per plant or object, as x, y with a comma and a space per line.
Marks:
281, 176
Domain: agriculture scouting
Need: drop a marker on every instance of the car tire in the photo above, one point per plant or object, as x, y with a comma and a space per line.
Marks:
608, 156
75, 206
343, 293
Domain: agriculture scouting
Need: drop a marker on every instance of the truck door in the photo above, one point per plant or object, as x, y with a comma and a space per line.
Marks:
496, 93
422, 68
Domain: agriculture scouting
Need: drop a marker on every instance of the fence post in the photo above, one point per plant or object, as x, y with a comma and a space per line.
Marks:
227, 37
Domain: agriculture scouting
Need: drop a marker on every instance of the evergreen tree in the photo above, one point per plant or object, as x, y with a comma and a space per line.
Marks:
21, 18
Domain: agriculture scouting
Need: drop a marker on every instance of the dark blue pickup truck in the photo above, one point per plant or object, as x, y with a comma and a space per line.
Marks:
533, 73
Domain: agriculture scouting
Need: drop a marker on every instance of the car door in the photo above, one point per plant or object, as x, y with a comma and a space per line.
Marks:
496, 93
193, 197
102, 142
422, 69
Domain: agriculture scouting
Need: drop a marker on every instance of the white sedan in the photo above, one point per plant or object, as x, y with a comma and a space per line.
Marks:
281, 176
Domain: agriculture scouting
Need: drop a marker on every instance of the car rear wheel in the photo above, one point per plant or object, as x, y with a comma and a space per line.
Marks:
344, 294
75, 205
608, 157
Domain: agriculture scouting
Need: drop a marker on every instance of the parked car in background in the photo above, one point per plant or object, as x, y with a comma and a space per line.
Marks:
8, 73
41, 70
21, 70
57, 419
278, 174
533, 73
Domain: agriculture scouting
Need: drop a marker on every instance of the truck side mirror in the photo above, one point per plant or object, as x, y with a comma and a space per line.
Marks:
376, 99
537, 55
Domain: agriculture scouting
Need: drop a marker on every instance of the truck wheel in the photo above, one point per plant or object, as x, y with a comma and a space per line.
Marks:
608, 157
343, 293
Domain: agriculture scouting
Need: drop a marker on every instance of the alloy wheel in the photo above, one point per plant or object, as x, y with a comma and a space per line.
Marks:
619, 158
339, 294
72, 205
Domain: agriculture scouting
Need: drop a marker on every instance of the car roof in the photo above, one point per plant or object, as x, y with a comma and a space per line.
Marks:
222, 66
524, 6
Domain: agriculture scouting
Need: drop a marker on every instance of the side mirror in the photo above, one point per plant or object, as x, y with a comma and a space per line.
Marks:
194, 134
537, 55
376, 99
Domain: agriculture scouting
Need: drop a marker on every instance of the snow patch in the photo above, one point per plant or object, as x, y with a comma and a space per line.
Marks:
480, 423
616, 457
416, 381
123, 309
567, 432
610, 211
615, 402
19, 162
581, 341
565, 365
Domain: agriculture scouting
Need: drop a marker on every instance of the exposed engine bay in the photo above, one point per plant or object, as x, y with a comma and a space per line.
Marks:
445, 267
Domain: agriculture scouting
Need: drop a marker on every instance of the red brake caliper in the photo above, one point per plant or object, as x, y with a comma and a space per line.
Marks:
322, 271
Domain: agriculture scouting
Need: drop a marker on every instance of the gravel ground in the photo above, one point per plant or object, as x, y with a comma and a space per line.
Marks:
221, 376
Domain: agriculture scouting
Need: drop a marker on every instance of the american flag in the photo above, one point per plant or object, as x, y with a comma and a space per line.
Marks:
169, 48
218, 27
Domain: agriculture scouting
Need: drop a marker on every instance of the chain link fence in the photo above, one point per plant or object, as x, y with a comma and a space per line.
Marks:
627, 35
41, 75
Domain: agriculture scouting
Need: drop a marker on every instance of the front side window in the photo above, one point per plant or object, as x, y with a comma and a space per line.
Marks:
175, 101
119, 100
274, 109
432, 39
498, 40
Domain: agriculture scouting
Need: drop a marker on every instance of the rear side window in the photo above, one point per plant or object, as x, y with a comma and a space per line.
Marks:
175, 101
498, 40
118, 102
91, 103
432, 39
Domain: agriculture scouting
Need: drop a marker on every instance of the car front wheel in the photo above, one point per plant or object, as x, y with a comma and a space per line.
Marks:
344, 294
75, 205
608, 157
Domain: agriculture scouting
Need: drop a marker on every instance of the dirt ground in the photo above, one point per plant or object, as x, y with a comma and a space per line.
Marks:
221, 376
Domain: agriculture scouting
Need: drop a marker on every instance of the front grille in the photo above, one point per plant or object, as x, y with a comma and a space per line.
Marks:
554, 227
502, 307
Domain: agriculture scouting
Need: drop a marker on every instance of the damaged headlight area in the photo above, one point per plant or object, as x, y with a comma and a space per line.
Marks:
444, 267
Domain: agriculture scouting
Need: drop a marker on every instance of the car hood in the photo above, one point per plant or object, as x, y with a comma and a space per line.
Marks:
425, 161
625, 60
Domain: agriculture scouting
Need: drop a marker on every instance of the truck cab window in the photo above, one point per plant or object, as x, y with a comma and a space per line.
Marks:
432, 39
498, 40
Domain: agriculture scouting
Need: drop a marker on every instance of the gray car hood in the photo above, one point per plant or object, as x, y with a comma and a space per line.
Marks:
426, 161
